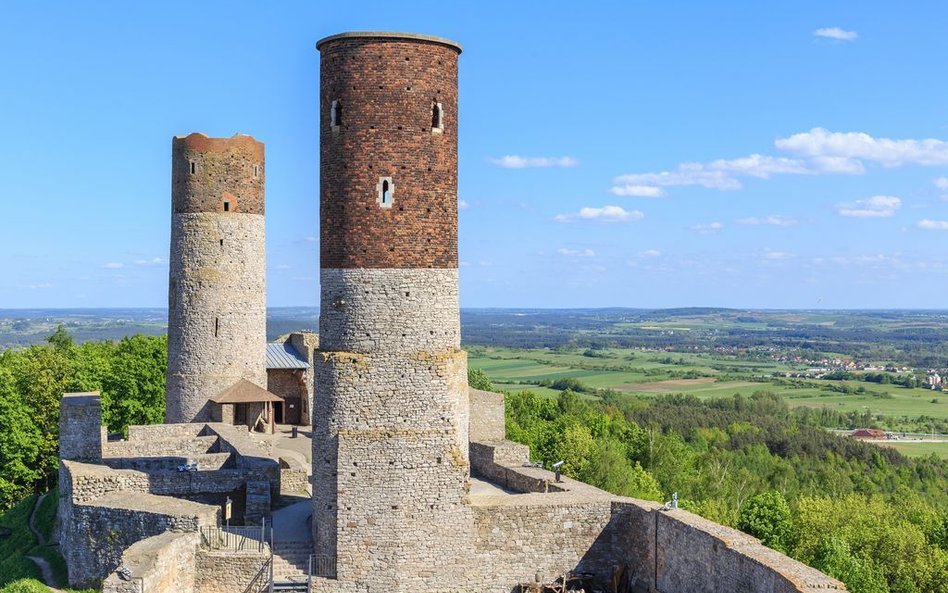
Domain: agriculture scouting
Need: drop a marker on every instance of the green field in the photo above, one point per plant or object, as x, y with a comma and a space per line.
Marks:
649, 373
918, 449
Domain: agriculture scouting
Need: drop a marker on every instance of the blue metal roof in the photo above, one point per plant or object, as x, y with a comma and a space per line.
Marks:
284, 356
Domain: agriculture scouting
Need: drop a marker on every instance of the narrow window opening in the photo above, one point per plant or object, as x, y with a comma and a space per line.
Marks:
217, 326
386, 192
256, 171
335, 114
222, 242
437, 116
193, 167
226, 206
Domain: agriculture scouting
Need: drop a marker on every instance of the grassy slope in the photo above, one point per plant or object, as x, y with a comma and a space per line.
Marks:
17, 573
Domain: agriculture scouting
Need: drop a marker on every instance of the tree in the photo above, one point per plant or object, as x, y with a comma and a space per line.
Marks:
19, 447
767, 517
478, 379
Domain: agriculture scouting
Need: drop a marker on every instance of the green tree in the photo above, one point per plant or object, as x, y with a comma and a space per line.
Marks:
19, 447
478, 379
767, 517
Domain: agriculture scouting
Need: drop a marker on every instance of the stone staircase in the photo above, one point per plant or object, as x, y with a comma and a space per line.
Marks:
291, 565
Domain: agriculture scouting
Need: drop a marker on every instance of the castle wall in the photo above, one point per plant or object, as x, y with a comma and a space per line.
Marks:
164, 563
488, 423
80, 427
100, 530
226, 571
217, 286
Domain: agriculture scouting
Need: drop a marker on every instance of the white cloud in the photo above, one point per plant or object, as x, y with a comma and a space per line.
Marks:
512, 161
651, 253
707, 229
155, 261
823, 143
463, 204
311, 239
604, 214
941, 183
933, 225
836, 33
874, 207
576, 252
772, 220
724, 174
283, 267
638, 191
776, 255
113, 265
39, 286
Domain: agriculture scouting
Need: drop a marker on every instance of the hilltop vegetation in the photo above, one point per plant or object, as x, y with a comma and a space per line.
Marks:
129, 373
869, 516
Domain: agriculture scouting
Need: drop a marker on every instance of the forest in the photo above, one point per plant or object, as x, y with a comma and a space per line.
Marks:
868, 515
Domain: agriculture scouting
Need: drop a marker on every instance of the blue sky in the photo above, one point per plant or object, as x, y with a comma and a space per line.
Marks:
639, 154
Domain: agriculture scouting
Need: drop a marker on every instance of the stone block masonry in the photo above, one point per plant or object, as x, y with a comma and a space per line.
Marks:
80, 427
217, 273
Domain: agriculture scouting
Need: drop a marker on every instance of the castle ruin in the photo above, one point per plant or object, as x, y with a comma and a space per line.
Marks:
414, 486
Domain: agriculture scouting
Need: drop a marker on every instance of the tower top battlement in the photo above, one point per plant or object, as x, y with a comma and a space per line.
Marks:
389, 35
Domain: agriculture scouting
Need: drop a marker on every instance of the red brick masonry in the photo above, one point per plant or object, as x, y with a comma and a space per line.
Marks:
387, 87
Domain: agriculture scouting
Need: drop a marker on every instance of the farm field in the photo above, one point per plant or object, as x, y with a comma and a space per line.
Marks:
650, 373
918, 448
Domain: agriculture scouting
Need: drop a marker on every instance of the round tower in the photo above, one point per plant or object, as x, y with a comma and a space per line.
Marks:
217, 284
390, 446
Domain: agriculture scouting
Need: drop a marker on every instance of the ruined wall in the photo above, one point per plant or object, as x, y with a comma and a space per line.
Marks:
487, 416
306, 343
164, 563
80, 427
100, 530
227, 571
217, 286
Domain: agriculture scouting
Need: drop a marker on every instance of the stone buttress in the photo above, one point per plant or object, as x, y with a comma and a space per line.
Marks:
390, 445
217, 284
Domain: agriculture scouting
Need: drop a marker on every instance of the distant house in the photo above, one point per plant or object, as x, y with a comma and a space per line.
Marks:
868, 433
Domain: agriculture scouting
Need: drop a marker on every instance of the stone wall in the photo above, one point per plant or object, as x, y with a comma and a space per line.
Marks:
395, 310
80, 427
306, 343
290, 384
158, 564
99, 531
227, 571
487, 416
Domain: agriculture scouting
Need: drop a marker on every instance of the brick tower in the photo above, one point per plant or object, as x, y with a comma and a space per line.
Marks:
216, 290
390, 444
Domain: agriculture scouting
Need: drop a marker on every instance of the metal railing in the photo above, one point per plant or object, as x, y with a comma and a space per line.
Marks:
322, 566
264, 577
235, 539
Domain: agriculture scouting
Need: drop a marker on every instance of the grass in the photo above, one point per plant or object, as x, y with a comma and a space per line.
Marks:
18, 574
918, 449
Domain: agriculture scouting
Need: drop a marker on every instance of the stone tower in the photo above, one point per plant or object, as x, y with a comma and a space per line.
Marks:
217, 285
390, 445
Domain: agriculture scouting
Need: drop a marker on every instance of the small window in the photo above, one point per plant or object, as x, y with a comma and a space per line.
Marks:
193, 166
437, 117
226, 206
217, 326
386, 191
222, 242
256, 170
335, 114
